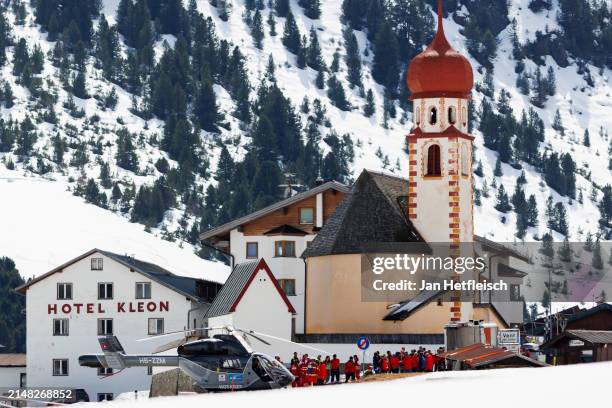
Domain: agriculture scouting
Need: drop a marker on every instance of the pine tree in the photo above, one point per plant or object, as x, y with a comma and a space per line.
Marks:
126, 156
352, 58
205, 108
498, 169
597, 261
561, 219
370, 107
335, 92
312, 8
105, 177
503, 204
257, 30
532, 211
301, 59
79, 88
282, 8
565, 251
272, 24
291, 34
586, 140
313, 57
385, 68
551, 82
558, 124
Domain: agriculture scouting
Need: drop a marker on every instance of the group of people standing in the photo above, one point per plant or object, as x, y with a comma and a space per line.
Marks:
318, 371
420, 360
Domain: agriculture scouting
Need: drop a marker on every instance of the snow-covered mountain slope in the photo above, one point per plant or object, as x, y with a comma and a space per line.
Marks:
376, 147
42, 226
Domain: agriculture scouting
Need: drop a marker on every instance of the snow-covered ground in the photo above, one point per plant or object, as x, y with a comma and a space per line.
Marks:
563, 386
42, 226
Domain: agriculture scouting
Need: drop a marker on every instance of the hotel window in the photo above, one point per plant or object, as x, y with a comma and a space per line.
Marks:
143, 290
105, 371
284, 249
515, 293
156, 326
105, 290
105, 327
60, 327
60, 367
64, 291
252, 250
288, 286
105, 396
306, 216
97, 264
433, 161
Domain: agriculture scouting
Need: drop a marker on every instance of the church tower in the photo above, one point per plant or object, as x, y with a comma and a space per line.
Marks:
440, 149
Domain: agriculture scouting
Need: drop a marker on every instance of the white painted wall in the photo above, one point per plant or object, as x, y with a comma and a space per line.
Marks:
10, 376
282, 268
43, 347
263, 310
422, 107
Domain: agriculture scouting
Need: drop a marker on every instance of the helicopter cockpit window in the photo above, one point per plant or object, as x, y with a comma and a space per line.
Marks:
262, 368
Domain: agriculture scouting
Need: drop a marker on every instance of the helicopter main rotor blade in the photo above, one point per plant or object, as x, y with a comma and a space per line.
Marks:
251, 332
256, 337
157, 336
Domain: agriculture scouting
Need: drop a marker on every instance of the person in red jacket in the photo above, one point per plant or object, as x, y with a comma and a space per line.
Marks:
295, 371
406, 364
414, 360
357, 367
349, 370
335, 369
429, 362
384, 364
395, 363
322, 373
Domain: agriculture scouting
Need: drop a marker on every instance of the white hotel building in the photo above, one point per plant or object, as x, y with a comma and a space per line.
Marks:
101, 293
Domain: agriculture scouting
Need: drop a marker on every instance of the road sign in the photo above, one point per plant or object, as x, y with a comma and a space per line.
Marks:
510, 336
363, 343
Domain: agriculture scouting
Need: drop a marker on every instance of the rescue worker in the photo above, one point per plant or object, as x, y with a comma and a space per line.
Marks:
295, 359
406, 363
322, 373
349, 370
429, 362
395, 363
335, 369
295, 371
384, 364
357, 367
327, 368
414, 360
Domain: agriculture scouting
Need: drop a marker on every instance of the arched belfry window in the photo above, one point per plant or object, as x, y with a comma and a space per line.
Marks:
452, 115
464, 116
418, 116
433, 116
434, 165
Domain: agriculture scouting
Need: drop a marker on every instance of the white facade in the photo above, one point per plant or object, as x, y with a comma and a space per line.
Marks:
13, 377
281, 267
130, 322
260, 309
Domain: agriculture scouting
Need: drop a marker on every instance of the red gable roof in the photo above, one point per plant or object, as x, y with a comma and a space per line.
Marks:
263, 265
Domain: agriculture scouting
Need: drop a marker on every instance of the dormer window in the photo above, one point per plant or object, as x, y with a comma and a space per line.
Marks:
434, 167
433, 116
452, 115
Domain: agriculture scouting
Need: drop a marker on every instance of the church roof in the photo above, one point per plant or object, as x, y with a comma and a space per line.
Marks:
374, 211
440, 70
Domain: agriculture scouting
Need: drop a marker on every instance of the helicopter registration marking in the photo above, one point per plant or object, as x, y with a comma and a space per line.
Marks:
152, 360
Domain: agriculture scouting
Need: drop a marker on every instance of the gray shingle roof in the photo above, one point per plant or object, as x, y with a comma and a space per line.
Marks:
232, 289
593, 336
374, 211
195, 289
